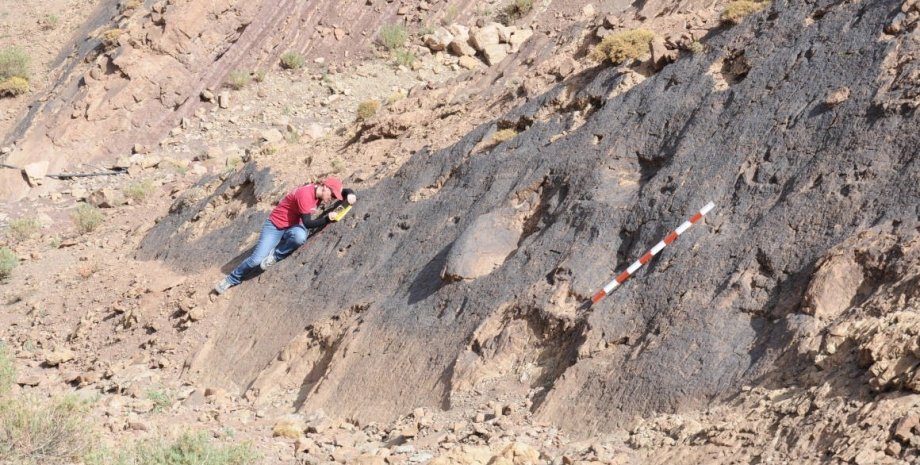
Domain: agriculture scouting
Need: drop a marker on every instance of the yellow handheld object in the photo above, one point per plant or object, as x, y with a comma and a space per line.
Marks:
339, 214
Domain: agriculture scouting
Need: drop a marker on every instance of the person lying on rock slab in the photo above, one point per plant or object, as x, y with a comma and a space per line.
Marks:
289, 225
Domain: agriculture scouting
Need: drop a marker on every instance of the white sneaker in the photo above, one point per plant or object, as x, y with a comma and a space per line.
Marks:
222, 286
268, 261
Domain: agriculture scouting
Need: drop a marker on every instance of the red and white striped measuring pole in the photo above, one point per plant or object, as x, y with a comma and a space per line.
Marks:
651, 253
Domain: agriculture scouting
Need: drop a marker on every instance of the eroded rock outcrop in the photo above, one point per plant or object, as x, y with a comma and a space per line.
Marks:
792, 178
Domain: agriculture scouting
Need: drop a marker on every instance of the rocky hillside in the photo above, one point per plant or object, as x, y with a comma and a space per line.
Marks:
490, 250
447, 319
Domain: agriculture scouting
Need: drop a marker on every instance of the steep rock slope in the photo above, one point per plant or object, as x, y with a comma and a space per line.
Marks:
592, 180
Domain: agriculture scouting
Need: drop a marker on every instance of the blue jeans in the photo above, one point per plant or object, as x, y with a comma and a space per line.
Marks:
283, 241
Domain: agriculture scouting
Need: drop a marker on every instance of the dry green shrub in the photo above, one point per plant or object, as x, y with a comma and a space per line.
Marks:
450, 15
23, 228
130, 5
87, 218
162, 399
138, 191
50, 22
292, 137
187, 449
14, 62
696, 47
404, 57
514, 11
286, 430
393, 36
737, 10
503, 135
8, 262
14, 86
292, 60
7, 370
110, 38
36, 432
396, 96
622, 46
237, 79
367, 108
258, 76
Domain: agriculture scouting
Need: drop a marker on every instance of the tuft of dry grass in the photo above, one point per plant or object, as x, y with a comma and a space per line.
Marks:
292, 60
696, 47
14, 62
393, 36
286, 430
110, 38
22, 229
396, 96
187, 449
33, 431
8, 262
622, 46
367, 108
14, 86
237, 79
404, 57
737, 10
502, 136
514, 11
87, 218
138, 191
130, 5
7, 369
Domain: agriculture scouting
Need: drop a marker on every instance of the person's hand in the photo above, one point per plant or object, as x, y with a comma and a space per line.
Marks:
351, 199
333, 216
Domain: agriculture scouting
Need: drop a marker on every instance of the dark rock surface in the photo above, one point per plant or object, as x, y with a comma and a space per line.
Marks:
790, 175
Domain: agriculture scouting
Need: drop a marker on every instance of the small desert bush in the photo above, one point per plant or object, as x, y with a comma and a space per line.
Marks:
14, 62
187, 449
450, 16
393, 36
8, 262
395, 97
50, 22
424, 30
503, 135
696, 47
138, 191
367, 108
87, 218
110, 38
162, 399
258, 76
404, 57
7, 370
237, 79
292, 60
514, 11
737, 10
131, 5
23, 228
622, 46
14, 86
37, 432
292, 137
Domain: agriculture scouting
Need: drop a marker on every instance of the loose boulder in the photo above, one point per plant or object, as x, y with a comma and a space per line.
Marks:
482, 247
